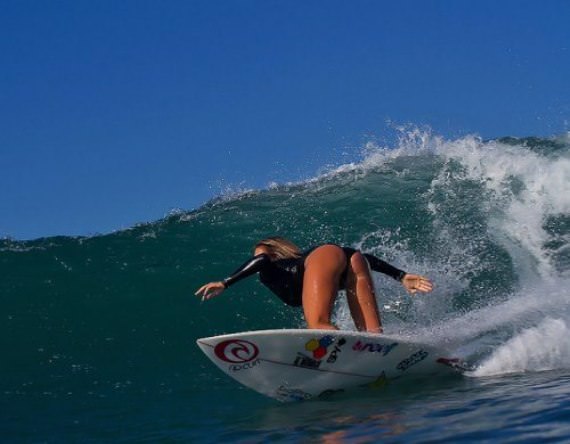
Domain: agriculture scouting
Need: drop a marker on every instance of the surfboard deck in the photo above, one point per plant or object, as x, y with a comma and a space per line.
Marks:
297, 364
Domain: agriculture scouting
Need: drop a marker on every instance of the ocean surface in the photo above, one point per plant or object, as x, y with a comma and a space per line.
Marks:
98, 333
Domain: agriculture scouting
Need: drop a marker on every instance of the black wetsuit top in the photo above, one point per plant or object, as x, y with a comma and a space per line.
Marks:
284, 277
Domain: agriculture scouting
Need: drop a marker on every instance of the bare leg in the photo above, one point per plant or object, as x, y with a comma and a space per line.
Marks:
361, 297
323, 268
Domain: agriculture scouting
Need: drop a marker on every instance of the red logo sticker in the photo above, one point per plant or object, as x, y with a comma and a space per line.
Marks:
236, 351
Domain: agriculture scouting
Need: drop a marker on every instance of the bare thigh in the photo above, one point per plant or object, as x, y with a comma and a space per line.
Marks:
323, 268
361, 296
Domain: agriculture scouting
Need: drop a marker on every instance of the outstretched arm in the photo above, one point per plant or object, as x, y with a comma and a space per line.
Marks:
384, 267
411, 282
251, 266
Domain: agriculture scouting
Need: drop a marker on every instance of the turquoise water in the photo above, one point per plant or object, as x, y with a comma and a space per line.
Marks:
98, 333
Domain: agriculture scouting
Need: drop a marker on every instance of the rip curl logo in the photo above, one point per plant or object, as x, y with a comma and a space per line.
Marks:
236, 351
245, 366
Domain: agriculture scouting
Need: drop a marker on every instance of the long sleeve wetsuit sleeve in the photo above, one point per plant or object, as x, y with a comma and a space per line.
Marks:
384, 267
251, 266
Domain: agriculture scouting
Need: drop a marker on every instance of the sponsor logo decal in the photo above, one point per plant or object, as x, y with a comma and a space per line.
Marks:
334, 354
246, 366
306, 361
412, 360
318, 349
236, 351
374, 348
284, 393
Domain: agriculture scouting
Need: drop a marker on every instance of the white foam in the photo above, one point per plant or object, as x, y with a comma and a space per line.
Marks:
544, 347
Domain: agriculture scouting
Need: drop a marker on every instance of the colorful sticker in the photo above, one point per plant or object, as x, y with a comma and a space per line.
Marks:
318, 349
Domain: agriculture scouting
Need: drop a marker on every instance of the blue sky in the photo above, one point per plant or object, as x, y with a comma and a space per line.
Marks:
115, 112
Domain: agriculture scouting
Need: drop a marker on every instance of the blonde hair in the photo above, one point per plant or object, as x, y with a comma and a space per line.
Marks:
279, 248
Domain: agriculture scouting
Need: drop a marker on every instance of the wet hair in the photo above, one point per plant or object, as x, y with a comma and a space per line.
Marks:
279, 248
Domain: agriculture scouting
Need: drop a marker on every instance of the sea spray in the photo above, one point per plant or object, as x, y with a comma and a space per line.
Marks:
544, 347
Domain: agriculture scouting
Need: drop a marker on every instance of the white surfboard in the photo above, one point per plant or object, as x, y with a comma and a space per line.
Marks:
301, 364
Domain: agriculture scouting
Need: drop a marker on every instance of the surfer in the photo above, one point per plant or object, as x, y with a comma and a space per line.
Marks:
312, 278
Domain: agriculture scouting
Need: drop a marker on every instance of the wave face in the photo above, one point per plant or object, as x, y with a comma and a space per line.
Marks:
488, 221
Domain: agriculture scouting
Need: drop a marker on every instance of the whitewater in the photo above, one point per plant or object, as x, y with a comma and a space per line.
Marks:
98, 332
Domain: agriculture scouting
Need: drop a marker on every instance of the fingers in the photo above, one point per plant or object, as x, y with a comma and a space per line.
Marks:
423, 284
202, 289
415, 283
210, 290
205, 291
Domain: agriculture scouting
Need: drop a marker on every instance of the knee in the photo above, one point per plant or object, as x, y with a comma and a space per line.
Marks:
315, 319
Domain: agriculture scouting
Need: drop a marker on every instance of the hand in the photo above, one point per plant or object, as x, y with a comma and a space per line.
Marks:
210, 290
414, 283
